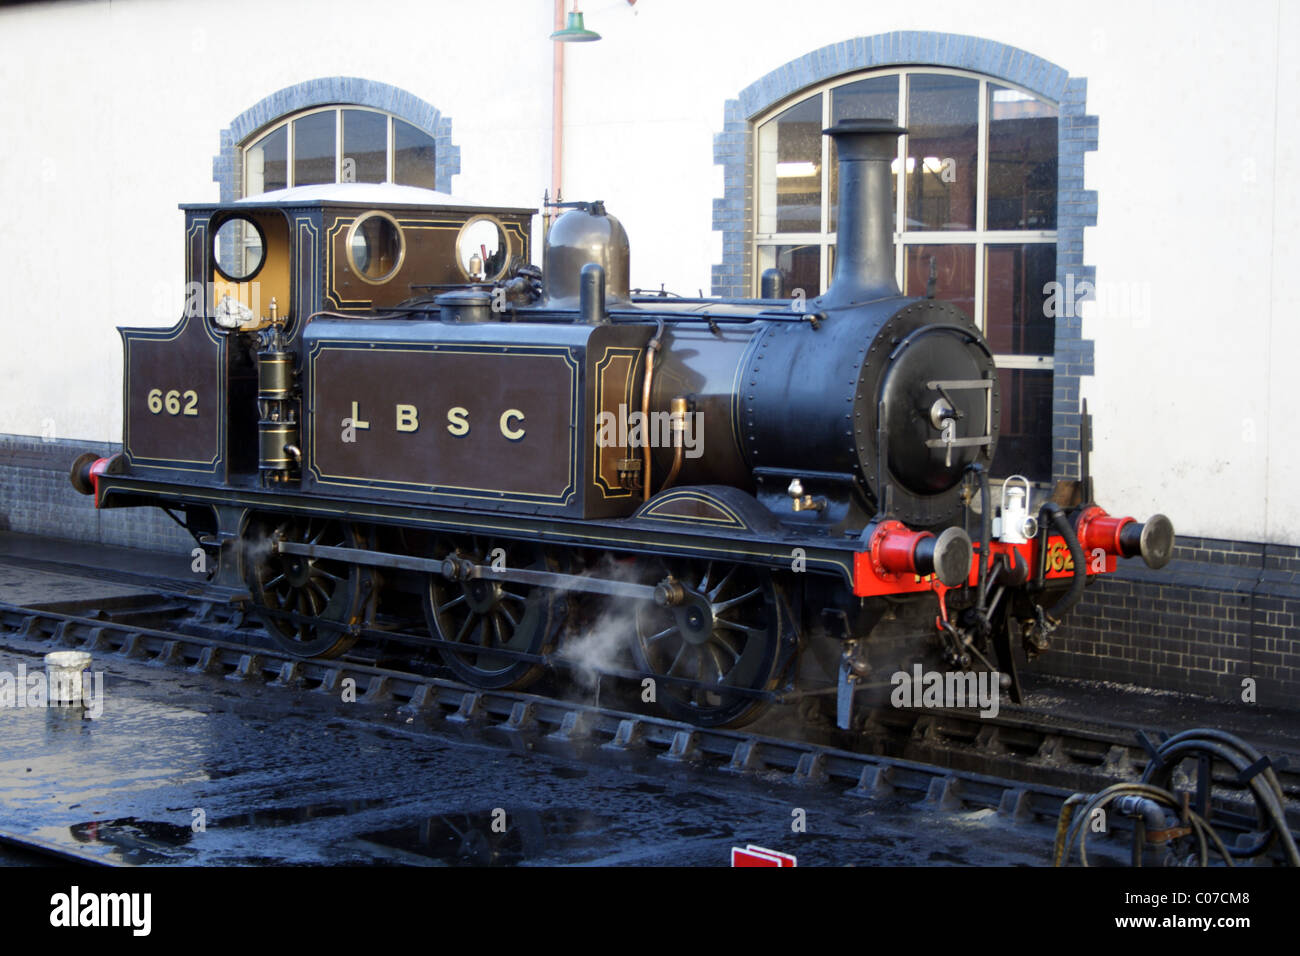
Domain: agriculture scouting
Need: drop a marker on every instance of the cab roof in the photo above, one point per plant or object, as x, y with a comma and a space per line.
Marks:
368, 195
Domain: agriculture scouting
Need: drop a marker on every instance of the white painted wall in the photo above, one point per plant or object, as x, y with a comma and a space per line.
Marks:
111, 118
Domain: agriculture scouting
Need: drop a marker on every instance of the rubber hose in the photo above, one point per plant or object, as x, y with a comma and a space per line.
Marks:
986, 524
1239, 755
1071, 597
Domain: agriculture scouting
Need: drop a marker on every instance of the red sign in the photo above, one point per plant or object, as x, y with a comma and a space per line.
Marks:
758, 856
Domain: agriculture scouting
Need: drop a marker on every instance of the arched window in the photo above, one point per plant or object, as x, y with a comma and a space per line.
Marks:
340, 143
975, 192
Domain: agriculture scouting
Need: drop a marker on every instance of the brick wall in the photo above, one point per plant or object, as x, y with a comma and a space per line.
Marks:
36, 498
227, 165
1220, 612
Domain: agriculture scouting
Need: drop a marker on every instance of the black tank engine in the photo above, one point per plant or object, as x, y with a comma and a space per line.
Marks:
372, 409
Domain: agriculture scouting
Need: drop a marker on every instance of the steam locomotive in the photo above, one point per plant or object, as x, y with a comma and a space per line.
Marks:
375, 405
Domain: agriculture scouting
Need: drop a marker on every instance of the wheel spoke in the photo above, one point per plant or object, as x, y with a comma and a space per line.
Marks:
274, 582
726, 606
743, 628
724, 641
662, 634
708, 573
716, 656
458, 599
465, 628
697, 653
505, 612
726, 579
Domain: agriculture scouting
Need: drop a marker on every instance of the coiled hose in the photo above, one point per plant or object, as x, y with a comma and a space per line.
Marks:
1242, 757
1078, 822
1190, 744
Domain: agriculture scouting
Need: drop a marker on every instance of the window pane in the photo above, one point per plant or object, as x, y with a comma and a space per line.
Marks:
237, 246
874, 98
1022, 161
789, 167
943, 125
1015, 296
799, 267
376, 247
954, 272
313, 149
266, 165
414, 157
1025, 439
365, 147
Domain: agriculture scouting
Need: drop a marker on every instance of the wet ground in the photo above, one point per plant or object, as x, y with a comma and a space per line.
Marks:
183, 768
188, 768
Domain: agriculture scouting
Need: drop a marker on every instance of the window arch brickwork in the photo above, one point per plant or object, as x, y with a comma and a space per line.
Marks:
1076, 206
349, 90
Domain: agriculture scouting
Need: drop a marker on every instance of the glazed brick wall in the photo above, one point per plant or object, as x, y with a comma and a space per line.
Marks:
227, 165
1220, 612
36, 498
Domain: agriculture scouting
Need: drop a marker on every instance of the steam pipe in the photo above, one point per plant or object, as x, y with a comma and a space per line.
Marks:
678, 411
651, 348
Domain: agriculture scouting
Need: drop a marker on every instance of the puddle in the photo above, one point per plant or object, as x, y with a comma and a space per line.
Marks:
128, 840
492, 838
287, 816
569, 773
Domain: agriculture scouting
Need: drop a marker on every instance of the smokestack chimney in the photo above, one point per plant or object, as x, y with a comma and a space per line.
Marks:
864, 248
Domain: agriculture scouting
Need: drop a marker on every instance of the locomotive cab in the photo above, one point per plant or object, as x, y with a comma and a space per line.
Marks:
268, 264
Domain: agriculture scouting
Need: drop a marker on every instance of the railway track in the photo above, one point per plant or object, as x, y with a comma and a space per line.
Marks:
1022, 767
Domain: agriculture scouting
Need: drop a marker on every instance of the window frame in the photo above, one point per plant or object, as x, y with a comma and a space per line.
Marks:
980, 237
286, 122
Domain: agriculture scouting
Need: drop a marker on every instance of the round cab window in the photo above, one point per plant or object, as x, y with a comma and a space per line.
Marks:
482, 250
238, 249
375, 247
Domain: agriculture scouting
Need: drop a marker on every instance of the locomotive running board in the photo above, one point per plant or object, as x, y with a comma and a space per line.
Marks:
461, 570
